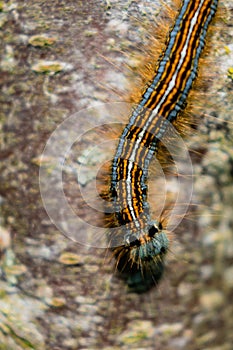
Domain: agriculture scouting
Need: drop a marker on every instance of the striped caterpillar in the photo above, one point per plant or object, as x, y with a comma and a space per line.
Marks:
138, 242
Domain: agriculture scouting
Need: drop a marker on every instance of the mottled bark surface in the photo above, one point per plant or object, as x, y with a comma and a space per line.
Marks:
52, 66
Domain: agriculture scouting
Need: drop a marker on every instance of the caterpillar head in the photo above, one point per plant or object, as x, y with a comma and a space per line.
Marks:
141, 258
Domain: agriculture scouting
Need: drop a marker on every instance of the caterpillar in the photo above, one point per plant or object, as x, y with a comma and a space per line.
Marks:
138, 242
